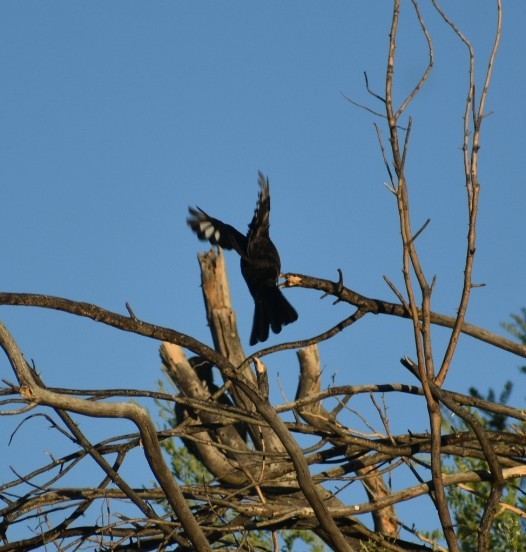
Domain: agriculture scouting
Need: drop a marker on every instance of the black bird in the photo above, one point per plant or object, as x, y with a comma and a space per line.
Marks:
260, 263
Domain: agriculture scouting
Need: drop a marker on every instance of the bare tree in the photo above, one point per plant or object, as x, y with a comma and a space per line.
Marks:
262, 475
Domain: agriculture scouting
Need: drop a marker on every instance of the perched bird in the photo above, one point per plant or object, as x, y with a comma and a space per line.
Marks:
260, 263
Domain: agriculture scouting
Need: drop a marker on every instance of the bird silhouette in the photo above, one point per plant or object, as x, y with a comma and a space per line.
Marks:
260, 262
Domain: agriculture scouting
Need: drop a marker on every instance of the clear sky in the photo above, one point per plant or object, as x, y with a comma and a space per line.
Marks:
115, 116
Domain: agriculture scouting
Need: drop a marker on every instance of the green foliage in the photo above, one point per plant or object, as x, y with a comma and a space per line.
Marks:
305, 537
508, 533
517, 329
495, 422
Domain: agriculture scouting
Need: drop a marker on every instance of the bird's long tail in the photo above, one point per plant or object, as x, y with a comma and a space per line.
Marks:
272, 310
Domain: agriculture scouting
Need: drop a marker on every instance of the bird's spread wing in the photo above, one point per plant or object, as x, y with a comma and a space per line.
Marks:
260, 263
259, 227
216, 232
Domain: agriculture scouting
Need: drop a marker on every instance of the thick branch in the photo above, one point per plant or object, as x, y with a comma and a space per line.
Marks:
379, 306
33, 392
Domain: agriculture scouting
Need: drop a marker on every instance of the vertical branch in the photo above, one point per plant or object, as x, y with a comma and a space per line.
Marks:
223, 327
315, 414
411, 264
430, 63
472, 196
411, 261
399, 186
489, 74
471, 147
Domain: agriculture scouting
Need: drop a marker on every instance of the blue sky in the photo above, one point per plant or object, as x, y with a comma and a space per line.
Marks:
115, 116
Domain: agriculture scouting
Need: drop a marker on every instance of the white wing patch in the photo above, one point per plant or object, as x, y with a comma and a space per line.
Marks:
207, 229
